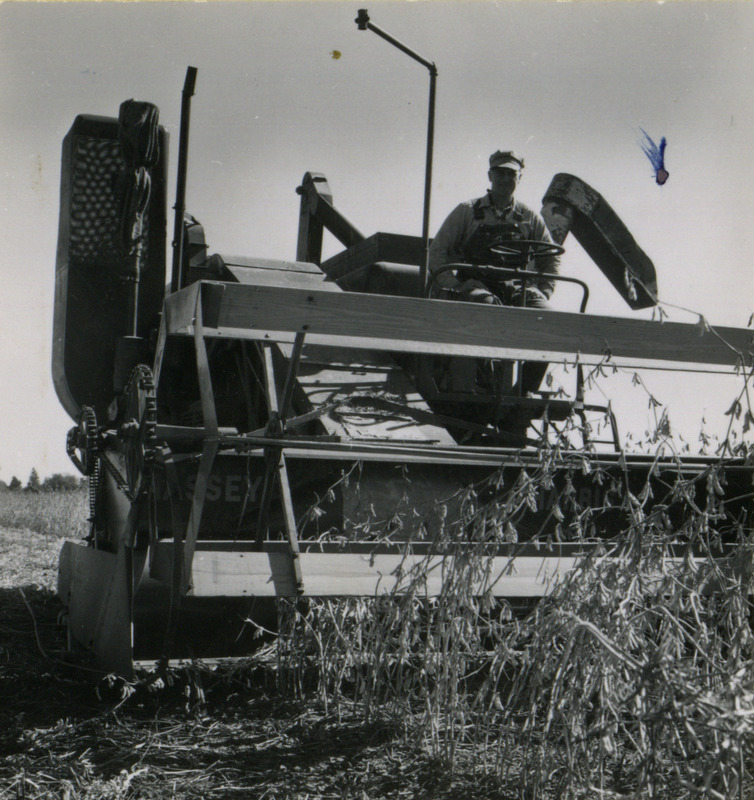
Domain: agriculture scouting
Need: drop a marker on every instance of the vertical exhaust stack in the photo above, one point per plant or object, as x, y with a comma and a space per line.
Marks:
180, 191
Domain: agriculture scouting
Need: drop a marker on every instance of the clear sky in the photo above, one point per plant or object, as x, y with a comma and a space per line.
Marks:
570, 85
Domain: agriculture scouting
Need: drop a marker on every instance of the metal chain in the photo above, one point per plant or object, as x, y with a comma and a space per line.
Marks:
121, 482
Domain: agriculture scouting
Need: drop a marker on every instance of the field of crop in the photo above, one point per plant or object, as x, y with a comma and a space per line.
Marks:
600, 692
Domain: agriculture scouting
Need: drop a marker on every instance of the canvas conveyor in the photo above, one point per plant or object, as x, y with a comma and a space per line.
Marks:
277, 429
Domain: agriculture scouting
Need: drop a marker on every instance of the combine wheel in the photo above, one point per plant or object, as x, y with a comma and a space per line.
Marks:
138, 431
83, 445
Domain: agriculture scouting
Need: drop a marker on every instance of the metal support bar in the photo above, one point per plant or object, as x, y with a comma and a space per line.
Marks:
317, 214
270, 383
269, 475
138, 134
165, 459
424, 268
264, 507
276, 466
290, 378
159, 354
363, 22
496, 273
210, 445
209, 411
325, 448
209, 451
290, 522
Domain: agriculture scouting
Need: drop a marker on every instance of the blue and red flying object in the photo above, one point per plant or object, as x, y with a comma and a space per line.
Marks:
656, 154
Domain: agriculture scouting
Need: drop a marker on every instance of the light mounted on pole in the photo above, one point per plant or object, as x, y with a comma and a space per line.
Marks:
364, 24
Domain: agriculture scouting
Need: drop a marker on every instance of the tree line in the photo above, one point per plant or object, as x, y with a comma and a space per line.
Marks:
57, 482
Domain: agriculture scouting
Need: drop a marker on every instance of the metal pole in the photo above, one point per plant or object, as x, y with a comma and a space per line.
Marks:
180, 191
424, 269
362, 20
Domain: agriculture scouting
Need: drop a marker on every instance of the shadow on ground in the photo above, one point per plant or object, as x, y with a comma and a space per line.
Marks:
203, 732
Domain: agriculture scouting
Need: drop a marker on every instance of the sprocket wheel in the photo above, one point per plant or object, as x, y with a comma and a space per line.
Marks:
138, 432
82, 442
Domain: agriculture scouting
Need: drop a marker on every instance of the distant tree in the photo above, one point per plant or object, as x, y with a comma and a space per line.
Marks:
60, 483
14, 484
33, 484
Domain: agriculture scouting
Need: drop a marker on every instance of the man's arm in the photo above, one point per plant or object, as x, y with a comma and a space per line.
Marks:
549, 264
445, 249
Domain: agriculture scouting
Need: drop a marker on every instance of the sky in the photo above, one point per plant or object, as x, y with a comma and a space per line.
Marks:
289, 87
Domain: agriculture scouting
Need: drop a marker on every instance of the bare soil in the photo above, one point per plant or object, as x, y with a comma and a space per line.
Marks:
222, 732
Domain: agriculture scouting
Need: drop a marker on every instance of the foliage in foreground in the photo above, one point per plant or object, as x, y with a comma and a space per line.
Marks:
633, 679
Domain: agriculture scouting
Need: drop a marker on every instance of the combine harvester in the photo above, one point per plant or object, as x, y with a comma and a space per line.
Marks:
310, 428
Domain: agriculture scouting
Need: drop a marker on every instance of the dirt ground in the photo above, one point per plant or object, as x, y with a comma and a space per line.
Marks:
222, 732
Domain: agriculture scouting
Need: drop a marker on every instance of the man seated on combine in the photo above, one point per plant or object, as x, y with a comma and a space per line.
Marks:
484, 231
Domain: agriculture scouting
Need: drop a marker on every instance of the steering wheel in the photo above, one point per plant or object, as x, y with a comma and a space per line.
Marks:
516, 250
525, 248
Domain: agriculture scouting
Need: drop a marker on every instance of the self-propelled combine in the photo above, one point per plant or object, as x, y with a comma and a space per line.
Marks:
255, 429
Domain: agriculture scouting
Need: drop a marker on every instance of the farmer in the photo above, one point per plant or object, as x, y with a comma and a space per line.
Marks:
470, 234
